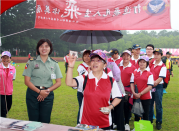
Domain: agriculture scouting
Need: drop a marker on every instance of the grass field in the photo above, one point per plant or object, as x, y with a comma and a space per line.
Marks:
66, 106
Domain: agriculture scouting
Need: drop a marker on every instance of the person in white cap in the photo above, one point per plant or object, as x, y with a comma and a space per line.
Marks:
126, 72
7, 75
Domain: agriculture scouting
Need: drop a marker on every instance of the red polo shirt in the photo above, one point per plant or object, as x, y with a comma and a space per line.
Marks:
97, 94
119, 59
143, 79
158, 70
135, 62
126, 73
82, 68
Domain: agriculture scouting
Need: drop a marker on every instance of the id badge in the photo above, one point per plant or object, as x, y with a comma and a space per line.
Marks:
36, 66
53, 76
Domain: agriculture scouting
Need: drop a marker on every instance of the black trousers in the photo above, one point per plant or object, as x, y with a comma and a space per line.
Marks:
146, 107
3, 104
39, 111
80, 99
118, 115
127, 110
66, 66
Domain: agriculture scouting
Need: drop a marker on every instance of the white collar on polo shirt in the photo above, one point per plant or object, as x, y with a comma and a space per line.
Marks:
85, 64
4, 66
135, 59
116, 59
146, 69
151, 57
129, 65
91, 76
159, 64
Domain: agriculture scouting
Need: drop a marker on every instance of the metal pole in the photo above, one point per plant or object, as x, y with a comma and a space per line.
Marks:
91, 41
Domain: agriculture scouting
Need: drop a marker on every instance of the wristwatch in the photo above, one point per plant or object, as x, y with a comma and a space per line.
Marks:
48, 90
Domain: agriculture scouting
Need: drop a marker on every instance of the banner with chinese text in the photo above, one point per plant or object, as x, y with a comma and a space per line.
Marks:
103, 15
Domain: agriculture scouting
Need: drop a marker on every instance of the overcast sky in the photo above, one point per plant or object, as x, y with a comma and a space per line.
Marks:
174, 17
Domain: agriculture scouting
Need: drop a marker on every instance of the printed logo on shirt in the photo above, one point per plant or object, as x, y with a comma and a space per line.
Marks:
11, 72
83, 71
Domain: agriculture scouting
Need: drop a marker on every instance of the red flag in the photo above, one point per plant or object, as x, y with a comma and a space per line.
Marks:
103, 15
6, 4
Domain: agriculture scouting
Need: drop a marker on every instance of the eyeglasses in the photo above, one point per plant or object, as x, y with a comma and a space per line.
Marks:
98, 61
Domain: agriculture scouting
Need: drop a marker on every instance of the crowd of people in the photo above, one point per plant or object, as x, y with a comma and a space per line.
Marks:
146, 73
106, 87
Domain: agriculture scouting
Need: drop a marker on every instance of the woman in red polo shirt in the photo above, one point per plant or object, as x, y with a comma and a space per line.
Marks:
126, 72
97, 93
143, 78
83, 67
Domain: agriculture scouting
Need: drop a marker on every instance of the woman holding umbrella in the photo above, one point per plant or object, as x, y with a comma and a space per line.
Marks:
144, 81
97, 93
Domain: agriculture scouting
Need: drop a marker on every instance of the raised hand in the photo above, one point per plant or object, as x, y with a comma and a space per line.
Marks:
71, 60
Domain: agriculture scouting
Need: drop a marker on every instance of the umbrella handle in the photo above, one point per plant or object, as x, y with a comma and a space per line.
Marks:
91, 41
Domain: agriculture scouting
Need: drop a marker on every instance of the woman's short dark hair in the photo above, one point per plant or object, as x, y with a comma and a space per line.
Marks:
86, 53
41, 41
145, 61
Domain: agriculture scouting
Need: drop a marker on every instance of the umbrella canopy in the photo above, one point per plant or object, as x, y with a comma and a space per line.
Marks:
90, 37
6, 4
